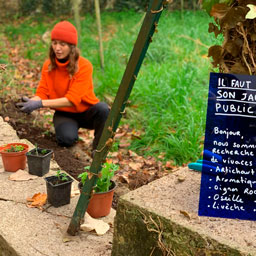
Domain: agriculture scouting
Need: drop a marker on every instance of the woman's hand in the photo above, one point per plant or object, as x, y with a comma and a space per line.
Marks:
27, 105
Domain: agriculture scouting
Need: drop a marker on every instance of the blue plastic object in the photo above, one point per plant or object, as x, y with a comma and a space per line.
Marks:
199, 167
208, 165
195, 166
208, 154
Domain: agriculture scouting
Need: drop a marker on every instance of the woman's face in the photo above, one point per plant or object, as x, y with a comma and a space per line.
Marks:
61, 49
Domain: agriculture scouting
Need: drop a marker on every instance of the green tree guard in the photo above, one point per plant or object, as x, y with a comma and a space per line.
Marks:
132, 69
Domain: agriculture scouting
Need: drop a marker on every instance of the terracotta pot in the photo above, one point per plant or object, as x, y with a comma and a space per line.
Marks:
101, 202
13, 161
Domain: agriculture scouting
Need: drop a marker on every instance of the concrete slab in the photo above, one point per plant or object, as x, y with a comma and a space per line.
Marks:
174, 200
30, 231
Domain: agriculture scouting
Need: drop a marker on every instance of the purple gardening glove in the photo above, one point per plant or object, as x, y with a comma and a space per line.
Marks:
28, 105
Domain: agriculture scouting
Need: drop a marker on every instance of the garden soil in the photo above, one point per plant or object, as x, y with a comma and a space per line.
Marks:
26, 128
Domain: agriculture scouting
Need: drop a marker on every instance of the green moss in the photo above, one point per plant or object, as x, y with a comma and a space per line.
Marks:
140, 232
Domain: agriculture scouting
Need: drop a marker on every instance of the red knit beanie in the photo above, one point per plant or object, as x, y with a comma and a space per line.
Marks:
64, 31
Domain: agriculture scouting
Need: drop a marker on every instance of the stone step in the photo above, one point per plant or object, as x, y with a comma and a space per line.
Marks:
30, 231
161, 218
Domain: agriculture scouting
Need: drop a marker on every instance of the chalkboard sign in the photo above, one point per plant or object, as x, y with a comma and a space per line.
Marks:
228, 183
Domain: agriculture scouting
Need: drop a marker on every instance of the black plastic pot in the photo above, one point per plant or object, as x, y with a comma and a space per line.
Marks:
58, 194
39, 161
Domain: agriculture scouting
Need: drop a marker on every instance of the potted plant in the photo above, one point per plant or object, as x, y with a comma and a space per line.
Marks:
58, 189
14, 156
39, 161
101, 200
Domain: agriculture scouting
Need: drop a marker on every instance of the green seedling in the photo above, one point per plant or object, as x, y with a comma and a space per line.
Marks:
104, 181
15, 148
83, 176
47, 133
36, 149
44, 151
80, 139
61, 176
115, 146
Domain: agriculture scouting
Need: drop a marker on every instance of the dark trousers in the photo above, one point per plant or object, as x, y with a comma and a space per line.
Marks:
66, 124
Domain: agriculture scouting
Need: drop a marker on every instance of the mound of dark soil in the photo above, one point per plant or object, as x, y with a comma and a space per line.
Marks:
26, 129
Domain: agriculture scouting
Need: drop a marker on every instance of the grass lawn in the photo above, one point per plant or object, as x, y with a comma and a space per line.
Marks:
169, 100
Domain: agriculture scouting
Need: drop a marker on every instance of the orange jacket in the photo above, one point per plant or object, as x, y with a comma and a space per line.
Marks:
78, 89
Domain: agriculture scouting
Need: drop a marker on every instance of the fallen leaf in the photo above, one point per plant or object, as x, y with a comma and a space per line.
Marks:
149, 162
29, 76
77, 155
90, 224
186, 214
119, 156
161, 155
37, 201
252, 13
136, 134
35, 197
14, 51
119, 135
3, 67
66, 240
132, 154
21, 175
169, 165
113, 154
102, 228
115, 161
124, 178
7, 119
124, 145
135, 166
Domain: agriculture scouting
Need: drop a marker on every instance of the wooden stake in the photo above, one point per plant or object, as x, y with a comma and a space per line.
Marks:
131, 72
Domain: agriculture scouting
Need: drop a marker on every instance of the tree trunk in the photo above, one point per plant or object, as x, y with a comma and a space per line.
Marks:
97, 12
76, 8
